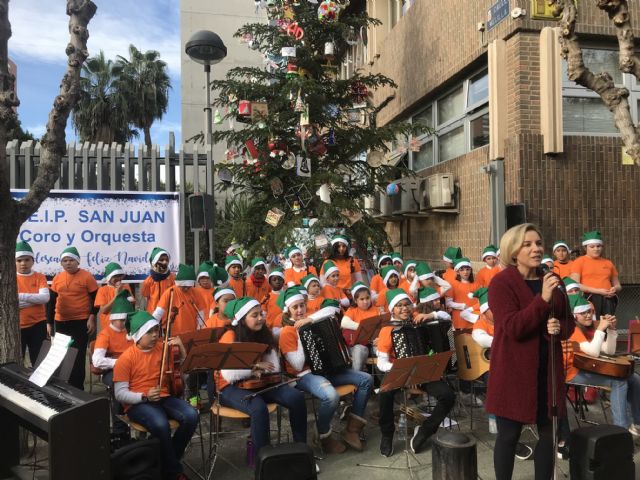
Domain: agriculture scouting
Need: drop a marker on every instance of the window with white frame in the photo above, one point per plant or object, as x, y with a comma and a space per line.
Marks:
583, 111
460, 122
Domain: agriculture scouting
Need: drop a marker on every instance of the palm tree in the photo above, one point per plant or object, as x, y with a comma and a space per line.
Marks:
100, 115
144, 84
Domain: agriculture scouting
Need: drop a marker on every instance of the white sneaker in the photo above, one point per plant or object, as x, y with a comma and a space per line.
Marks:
634, 430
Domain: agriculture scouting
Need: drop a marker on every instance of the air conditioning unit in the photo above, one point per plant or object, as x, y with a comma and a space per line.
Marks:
385, 205
407, 200
438, 192
372, 205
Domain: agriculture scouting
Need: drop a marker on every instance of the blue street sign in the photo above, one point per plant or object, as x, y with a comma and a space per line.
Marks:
497, 13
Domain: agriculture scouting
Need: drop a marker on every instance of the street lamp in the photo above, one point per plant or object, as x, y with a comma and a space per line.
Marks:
207, 48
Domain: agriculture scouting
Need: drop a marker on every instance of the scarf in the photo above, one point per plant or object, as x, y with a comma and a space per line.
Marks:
158, 277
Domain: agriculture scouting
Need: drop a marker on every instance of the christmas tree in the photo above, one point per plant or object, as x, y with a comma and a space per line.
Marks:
311, 149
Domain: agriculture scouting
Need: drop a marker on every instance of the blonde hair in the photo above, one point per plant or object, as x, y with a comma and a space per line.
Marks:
512, 240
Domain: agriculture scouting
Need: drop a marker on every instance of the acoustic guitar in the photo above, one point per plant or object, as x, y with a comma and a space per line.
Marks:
473, 360
612, 366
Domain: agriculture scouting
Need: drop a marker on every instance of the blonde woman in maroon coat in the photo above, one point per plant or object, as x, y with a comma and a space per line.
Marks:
527, 309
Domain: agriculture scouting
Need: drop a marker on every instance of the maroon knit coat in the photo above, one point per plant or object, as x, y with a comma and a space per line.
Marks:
519, 319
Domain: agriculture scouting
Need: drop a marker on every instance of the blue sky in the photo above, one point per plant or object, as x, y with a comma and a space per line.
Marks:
40, 35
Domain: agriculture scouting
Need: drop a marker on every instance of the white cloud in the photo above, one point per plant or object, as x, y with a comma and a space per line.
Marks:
36, 130
40, 30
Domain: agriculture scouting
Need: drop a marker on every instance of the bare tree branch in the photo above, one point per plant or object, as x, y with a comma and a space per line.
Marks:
53, 143
615, 98
618, 11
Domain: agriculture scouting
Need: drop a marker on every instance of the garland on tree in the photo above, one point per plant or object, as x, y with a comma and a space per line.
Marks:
310, 150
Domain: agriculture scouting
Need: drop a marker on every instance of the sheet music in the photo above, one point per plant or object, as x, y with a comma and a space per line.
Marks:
59, 346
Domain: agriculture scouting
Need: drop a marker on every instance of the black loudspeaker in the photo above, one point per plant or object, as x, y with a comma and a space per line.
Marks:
602, 452
516, 214
287, 460
200, 211
139, 460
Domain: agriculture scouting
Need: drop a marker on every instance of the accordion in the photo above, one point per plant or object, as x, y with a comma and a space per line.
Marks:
411, 341
324, 346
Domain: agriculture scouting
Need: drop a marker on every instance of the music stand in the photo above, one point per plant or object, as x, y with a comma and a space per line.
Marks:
200, 337
405, 373
369, 328
63, 372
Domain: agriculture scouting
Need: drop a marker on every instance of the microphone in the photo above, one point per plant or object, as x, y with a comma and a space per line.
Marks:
544, 269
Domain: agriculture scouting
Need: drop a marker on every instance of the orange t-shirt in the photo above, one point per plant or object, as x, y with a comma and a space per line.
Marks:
459, 293
579, 337
594, 272
562, 269
140, 369
313, 305
336, 293
216, 321
381, 301
357, 315
271, 309
483, 324
344, 267
115, 343
32, 283
73, 302
257, 292
449, 275
385, 343
152, 291
404, 285
238, 286
485, 275
288, 342
104, 295
291, 275
377, 284
206, 294
189, 305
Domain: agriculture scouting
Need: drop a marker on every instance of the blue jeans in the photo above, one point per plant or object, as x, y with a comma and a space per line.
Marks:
290, 398
322, 388
622, 391
154, 416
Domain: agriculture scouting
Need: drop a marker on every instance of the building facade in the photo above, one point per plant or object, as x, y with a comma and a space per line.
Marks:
476, 78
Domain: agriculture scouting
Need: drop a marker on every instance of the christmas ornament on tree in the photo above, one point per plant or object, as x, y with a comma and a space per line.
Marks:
393, 189
328, 11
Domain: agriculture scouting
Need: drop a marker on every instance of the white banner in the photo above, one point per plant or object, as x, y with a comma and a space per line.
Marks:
105, 227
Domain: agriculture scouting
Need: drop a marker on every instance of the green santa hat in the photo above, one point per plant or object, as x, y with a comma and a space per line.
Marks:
451, 253
579, 304
547, 259
592, 238
121, 306
186, 276
382, 258
423, 271
387, 272
307, 279
394, 296
290, 296
23, 249
238, 308
482, 294
71, 252
490, 251
458, 263
256, 262
232, 248
204, 270
291, 250
218, 276
156, 253
276, 272
408, 265
232, 260
396, 257
221, 291
427, 294
340, 239
358, 286
111, 270
570, 283
331, 305
138, 323
328, 268
560, 243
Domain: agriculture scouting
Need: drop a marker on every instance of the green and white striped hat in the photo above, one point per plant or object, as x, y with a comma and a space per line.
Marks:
70, 252
340, 239
458, 263
111, 270
592, 238
23, 249
237, 309
427, 294
121, 306
387, 272
394, 296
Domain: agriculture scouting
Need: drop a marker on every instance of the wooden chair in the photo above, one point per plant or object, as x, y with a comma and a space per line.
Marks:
93, 370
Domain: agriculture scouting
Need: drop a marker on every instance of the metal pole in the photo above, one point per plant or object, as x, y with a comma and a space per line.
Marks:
210, 162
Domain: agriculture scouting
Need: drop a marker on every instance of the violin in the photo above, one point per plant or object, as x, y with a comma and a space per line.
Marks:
171, 357
254, 383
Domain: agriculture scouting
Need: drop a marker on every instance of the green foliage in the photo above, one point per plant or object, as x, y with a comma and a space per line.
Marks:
332, 104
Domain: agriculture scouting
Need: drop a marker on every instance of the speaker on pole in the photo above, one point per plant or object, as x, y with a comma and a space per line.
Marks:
601, 452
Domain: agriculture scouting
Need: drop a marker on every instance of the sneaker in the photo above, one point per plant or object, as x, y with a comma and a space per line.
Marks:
386, 446
470, 400
634, 430
317, 468
523, 451
563, 452
418, 439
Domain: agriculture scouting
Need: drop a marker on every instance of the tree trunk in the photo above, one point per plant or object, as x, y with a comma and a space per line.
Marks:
147, 137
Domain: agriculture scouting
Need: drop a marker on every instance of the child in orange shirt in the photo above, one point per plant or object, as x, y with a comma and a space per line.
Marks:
425, 278
377, 285
350, 323
257, 285
348, 266
391, 279
204, 283
217, 318
270, 309
233, 266
562, 264
311, 283
332, 288
449, 257
409, 270
491, 268
159, 280
73, 294
458, 297
299, 269
113, 276
137, 384
33, 295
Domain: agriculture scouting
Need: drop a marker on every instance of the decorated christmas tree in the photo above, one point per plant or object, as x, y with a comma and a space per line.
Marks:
311, 150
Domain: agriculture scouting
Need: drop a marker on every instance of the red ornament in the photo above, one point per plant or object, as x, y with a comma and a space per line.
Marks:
244, 108
359, 92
